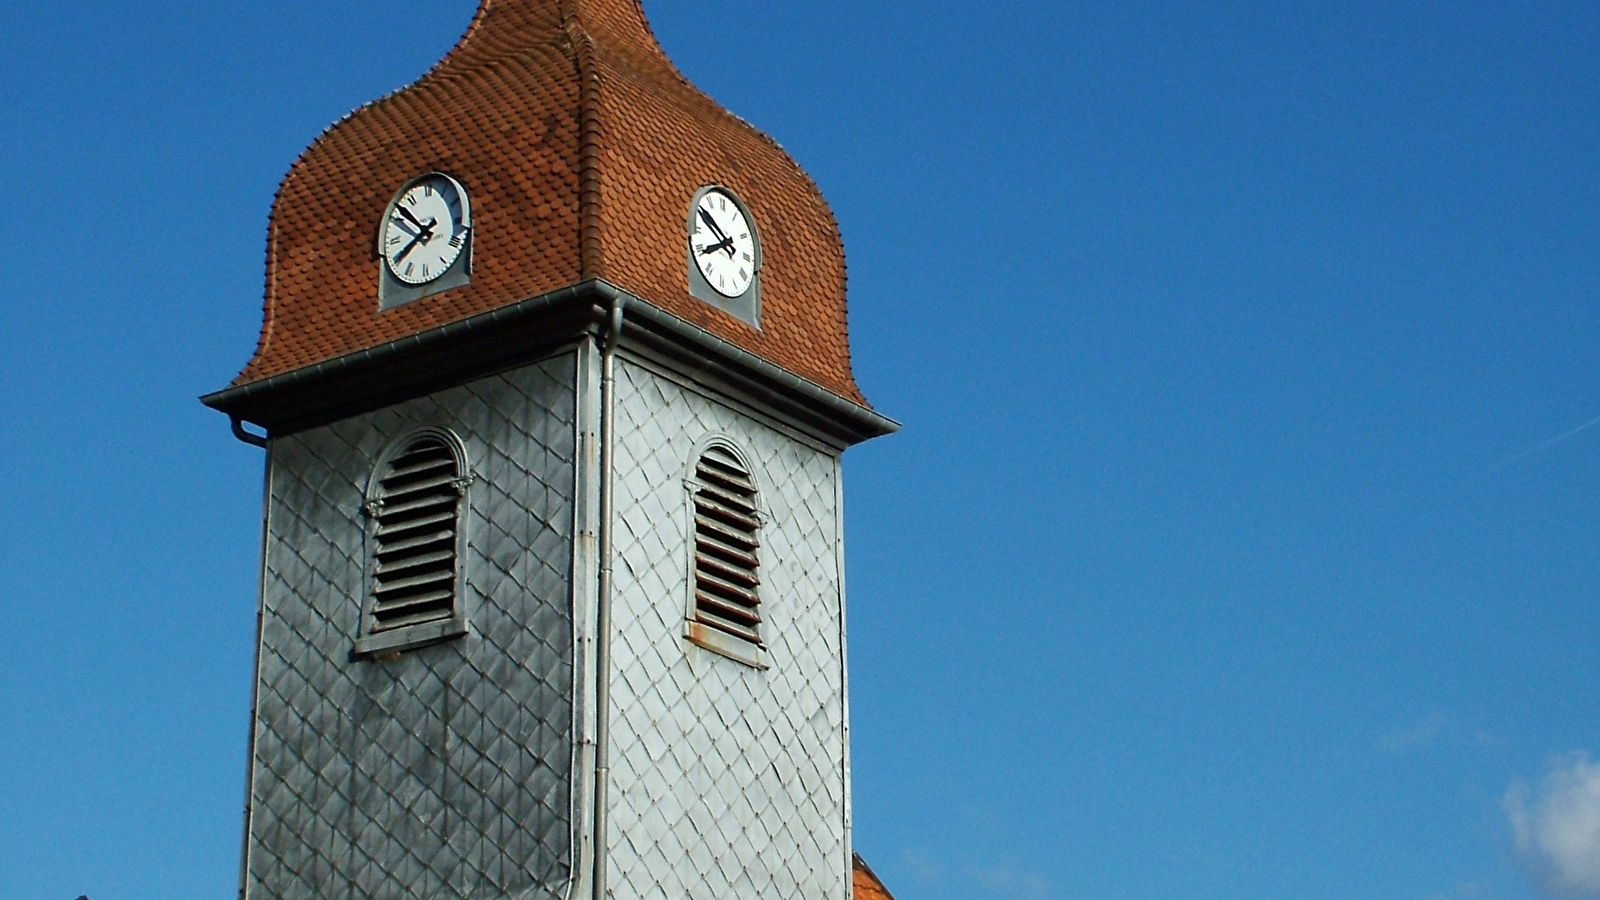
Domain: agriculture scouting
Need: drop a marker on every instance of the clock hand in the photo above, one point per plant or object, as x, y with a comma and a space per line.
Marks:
409, 247
725, 244
706, 218
409, 217
423, 236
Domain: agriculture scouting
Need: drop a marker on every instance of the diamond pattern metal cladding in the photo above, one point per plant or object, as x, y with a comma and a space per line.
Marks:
726, 781
445, 772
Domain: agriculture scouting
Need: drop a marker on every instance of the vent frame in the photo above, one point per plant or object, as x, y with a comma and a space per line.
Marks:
420, 622
731, 515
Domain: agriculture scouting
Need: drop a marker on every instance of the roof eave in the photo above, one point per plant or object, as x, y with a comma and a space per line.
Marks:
524, 332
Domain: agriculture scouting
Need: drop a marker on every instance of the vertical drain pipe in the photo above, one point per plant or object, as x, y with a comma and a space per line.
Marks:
602, 623
255, 668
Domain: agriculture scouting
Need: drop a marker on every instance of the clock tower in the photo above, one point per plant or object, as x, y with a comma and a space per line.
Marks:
553, 384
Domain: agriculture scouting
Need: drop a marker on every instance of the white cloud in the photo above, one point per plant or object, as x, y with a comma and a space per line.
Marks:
1004, 879
925, 868
1007, 881
1557, 827
1419, 736
1467, 890
1437, 728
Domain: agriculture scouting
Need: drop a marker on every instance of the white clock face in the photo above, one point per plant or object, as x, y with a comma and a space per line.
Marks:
426, 230
723, 244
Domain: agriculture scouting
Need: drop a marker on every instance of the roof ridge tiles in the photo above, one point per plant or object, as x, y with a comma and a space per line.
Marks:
581, 146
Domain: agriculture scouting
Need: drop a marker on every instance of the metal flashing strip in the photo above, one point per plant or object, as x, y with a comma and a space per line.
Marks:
603, 591
507, 338
585, 593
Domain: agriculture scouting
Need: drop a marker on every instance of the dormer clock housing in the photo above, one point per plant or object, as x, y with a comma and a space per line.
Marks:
424, 241
725, 254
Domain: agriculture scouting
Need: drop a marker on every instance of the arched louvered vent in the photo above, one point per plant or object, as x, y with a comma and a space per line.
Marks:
726, 539
417, 512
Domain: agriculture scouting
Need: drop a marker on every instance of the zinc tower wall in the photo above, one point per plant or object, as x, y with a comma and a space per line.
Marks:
726, 780
440, 772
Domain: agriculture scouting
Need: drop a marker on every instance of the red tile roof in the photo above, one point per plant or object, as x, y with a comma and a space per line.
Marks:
582, 147
867, 885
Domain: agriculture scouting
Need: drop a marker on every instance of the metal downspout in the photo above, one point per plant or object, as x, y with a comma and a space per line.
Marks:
245, 436
602, 741
255, 668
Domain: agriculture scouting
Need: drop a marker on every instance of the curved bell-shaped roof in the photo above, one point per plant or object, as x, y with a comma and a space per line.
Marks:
582, 147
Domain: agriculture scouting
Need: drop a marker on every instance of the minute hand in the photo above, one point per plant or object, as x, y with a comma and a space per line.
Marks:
408, 216
706, 218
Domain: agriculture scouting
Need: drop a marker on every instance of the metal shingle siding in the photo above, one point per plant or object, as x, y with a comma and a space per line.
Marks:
445, 772
726, 780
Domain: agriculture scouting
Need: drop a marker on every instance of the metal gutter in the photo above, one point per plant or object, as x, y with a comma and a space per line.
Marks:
508, 336
869, 420
230, 398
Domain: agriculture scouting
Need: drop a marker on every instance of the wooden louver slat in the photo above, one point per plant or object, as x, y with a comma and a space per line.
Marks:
726, 525
417, 513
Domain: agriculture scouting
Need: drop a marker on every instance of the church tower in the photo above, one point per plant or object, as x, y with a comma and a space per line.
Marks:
553, 384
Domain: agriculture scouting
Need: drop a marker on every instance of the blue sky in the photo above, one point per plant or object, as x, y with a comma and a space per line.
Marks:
1225, 552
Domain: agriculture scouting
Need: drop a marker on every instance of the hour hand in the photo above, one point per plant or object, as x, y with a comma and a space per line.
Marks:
724, 244
425, 235
421, 238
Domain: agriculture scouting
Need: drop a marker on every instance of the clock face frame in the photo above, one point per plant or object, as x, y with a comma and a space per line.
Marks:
426, 230
722, 242
724, 253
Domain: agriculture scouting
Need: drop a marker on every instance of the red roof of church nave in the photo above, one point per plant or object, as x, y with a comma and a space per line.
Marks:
866, 883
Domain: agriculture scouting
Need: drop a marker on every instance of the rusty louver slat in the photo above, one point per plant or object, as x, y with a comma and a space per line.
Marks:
725, 535
417, 513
